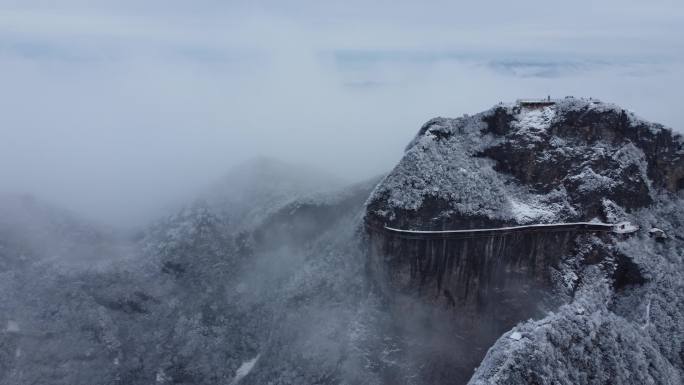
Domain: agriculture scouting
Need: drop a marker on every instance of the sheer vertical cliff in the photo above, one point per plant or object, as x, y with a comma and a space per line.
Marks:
569, 160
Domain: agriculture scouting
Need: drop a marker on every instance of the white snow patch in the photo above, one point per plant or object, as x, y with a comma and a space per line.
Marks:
244, 369
241, 288
570, 278
590, 181
12, 326
526, 212
648, 315
515, 336
534, 122
161, 377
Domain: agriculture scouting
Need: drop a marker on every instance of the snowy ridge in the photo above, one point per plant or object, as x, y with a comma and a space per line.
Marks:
439, 164
244, 370
449, 164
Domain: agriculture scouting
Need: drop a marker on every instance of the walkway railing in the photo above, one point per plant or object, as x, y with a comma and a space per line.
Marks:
618, 228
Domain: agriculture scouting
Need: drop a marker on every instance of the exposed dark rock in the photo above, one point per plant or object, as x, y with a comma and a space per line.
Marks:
577, 160
626, 272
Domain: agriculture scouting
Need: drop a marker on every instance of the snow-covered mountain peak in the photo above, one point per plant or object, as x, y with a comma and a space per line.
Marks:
553, 157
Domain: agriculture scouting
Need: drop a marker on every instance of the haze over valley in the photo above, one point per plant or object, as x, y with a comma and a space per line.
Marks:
314, 193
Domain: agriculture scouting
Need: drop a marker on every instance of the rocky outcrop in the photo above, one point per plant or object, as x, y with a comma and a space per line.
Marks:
577, 160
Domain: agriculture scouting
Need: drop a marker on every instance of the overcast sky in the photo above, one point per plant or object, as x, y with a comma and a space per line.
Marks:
117, 108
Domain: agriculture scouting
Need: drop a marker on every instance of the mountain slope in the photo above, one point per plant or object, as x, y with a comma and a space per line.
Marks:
256, 188
567, 161
276, 276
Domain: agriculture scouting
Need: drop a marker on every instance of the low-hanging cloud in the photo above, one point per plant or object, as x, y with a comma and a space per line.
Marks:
117, 109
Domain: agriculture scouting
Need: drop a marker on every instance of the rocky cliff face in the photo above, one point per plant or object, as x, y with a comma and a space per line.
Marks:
271, 282
513, 164
576, 160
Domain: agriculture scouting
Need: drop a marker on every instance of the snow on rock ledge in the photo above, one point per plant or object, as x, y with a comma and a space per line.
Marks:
559, 160
574, 161
577, 160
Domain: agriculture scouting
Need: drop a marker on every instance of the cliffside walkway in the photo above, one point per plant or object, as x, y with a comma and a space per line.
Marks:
618, 228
